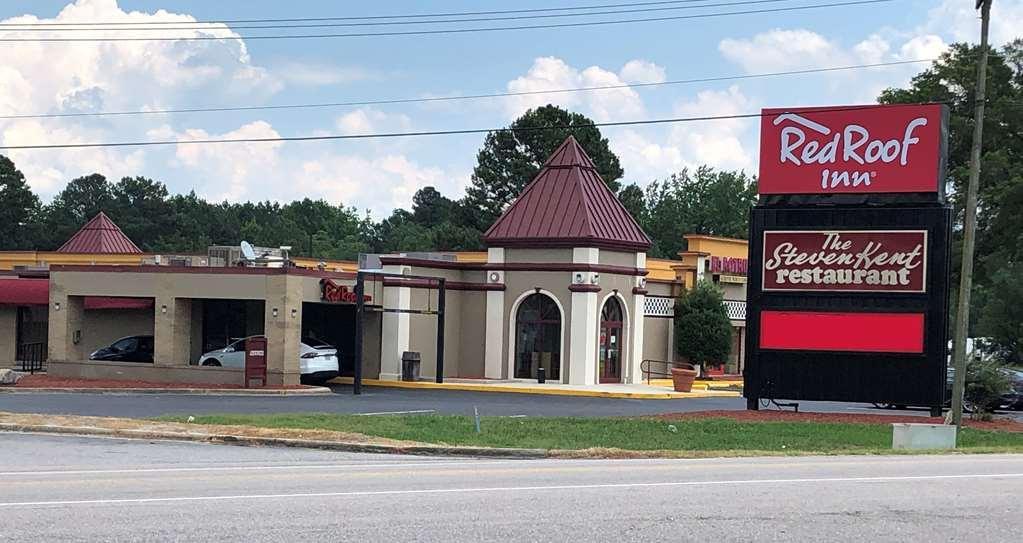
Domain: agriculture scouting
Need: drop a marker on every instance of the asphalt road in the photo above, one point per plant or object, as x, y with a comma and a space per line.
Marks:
381, 400
61, 488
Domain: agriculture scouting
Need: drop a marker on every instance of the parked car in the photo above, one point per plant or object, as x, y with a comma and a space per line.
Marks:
1013, 398
127, 349
317, 360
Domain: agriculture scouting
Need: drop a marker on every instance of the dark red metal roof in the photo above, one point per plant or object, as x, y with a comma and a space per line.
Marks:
17, 291
567, 205
100, 236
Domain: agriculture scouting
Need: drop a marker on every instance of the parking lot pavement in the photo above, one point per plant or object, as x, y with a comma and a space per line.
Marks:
384, 400
113, 490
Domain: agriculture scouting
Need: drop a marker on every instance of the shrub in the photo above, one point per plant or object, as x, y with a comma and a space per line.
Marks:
986, 381
703, 333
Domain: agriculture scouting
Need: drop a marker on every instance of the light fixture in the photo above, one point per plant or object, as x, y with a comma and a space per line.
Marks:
56, 306
163, 309
294, 312
578, 278
594, 278
274, 312
495, 277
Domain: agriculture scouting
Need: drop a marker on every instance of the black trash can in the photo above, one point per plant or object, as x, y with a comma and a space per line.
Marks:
410, 365
541, 375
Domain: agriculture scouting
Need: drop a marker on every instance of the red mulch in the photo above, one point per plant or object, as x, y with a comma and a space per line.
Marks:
1002, 424
46, 381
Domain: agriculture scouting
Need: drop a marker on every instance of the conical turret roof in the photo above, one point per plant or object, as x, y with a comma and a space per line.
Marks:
100, 236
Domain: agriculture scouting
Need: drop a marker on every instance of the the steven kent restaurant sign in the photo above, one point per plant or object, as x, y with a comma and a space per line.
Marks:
845, 260
851, 149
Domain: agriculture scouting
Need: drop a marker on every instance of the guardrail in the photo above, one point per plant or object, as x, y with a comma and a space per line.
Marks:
30, 357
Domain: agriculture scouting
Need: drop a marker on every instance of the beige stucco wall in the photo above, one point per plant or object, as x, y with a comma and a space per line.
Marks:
472, 334
8, 335
657, 333
615, 258
532, 256
659, 289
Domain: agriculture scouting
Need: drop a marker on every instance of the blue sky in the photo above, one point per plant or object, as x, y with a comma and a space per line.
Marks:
380, 175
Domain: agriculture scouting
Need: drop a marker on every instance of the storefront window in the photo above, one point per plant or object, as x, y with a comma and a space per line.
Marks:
609, 369
538, 338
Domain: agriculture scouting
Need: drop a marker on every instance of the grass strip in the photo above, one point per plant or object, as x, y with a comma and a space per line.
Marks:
636, 434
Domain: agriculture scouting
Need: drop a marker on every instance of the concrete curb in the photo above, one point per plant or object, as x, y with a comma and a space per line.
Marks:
525, 389
316, 391
227, 439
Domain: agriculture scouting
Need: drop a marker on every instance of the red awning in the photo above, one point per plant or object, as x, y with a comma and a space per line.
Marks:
18, 291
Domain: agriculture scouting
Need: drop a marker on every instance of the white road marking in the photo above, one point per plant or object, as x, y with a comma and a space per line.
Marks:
396, 464
514, 489
399, 412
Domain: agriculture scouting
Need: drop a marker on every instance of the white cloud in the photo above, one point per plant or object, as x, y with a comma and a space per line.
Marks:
779, 50
549, 73
369, 120
920, 47
959, 20
53, 77
306, 73
642, 71
229, 169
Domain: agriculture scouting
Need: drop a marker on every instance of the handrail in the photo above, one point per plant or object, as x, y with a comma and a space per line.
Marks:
647, 370
30, 357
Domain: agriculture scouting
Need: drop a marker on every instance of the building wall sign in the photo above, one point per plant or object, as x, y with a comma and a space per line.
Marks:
339, 294
730, 265
845, 260
853, 149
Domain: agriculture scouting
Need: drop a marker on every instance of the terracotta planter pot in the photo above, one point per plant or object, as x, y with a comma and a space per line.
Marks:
683, 378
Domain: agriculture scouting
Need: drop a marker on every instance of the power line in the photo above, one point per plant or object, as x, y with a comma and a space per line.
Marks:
331, 137
361, 18
463, 97
454, 30
391, 23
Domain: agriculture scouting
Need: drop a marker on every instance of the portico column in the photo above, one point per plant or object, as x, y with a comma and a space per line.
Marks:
66, 317
282, 314
172, 328
494, 341
638, 312
394, 327
583, 327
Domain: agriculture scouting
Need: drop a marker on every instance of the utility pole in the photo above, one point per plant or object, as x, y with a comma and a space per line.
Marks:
970, 225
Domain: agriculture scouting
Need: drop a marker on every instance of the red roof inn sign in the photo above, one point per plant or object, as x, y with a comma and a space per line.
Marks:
858, 261
852, 149
847, 296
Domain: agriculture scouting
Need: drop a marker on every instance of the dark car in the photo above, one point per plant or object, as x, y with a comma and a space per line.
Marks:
1013, 398
127, 349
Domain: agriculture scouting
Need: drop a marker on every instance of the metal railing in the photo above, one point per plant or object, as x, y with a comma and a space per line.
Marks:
31, 357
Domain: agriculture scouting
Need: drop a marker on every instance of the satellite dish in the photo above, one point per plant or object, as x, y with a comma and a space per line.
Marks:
247, 252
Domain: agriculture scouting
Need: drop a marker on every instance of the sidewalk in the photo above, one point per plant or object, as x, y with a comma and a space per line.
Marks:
655, 391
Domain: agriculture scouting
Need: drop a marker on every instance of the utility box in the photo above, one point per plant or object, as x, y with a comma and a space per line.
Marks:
255, 361
911, 435
410, 361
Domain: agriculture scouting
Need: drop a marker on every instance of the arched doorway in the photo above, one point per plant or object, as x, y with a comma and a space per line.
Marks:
609, 365
538, 338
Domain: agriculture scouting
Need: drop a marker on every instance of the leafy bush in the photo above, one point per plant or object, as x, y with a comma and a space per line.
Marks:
986, 381
703, 333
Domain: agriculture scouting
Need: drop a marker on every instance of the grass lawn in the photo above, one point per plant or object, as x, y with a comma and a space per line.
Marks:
712, 434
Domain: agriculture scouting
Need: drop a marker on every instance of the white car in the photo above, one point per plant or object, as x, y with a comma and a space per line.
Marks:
317, 360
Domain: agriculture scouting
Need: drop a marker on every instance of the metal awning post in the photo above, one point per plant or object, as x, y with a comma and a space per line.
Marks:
440, 329
360, 313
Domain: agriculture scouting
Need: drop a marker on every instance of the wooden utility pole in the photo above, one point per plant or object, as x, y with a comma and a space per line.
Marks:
970, 225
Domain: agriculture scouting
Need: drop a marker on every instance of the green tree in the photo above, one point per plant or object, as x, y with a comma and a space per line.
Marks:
704, 202
511, 158
19, 209
634, 200
703, 333
140, 208
82, 199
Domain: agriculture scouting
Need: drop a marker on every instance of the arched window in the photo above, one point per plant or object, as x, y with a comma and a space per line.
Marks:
538, 337
609, 368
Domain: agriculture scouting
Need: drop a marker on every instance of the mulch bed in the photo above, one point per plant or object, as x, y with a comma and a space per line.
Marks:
46, 381
999, 424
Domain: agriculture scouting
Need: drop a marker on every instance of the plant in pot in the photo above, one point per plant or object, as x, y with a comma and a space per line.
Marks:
703, 333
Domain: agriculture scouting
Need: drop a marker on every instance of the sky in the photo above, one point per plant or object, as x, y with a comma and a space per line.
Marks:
378, 175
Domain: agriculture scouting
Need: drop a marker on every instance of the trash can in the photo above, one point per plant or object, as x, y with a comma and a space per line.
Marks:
410, 365
541, 375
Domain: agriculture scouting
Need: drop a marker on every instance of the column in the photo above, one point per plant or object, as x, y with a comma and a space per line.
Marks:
494, 346
638, 313
394, 336
64, 335
172, 331
282, 314
584, 322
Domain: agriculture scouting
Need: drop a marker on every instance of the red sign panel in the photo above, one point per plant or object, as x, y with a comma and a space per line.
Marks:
845, 260
333, 292
726, 264
859, 332
851, 149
